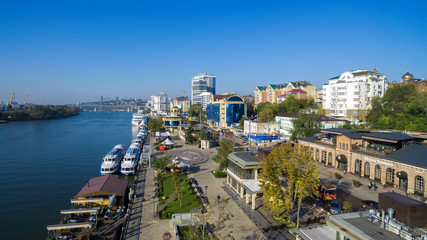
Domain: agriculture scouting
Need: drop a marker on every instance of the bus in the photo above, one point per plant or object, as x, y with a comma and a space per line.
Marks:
327, 191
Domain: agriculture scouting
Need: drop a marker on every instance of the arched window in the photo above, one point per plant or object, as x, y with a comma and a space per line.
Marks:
389, 175
312, 152
330, 159
340, 145
317, 154
367, 169
358, 166
377, 172
323, 156
419, 185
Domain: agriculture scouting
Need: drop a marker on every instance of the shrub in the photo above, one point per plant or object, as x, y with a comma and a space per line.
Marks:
419, 193
356, 183
338, 176
219, 174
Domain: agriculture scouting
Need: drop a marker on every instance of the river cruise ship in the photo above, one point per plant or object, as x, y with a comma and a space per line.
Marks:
111, 163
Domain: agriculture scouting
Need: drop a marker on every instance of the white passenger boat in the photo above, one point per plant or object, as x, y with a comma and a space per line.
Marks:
130, 160
111, 163
138, 117
138, 141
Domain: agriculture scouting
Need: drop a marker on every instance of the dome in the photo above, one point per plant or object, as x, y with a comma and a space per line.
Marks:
394, 82
407, 77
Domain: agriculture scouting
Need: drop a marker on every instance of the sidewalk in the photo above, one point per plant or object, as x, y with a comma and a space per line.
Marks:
346, 183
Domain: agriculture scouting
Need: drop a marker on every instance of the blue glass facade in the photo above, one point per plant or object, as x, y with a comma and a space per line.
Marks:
234, 112
209, 115
216, 112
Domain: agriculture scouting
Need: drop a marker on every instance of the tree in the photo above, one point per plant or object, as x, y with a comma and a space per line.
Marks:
225, 148
289, 174
346, 206
162, 162
266, 115
242, 121
196, 111
306, 125
189, 138
156, 125
178, 189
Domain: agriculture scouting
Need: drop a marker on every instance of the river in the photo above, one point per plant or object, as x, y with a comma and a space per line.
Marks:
45, 163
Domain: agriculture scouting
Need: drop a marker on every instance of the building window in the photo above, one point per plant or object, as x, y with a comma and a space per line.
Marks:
323, 156
340, 145
419, 185
389, 176
317, 154
358, 167
346, 146
330, 159
312, 152
377, 172
367, 169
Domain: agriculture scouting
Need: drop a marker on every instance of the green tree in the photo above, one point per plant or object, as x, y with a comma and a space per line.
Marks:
266, 115
196, 111
242, 121
346, 206
178, 188
156, 125
162, 162
225, 148
306, 125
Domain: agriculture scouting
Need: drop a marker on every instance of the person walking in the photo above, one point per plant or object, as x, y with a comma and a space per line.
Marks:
370, 185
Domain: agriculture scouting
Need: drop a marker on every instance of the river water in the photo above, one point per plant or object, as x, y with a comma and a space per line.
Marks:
45, 163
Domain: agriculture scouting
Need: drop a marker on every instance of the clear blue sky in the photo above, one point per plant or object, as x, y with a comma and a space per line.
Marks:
68, 51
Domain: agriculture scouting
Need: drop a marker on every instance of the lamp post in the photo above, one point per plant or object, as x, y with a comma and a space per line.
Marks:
206, 188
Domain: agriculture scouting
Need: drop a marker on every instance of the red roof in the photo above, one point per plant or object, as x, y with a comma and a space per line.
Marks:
103, 185
297, 90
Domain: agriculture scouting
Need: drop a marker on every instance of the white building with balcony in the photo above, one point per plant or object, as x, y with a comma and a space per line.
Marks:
161, 103
202, 83
349, 95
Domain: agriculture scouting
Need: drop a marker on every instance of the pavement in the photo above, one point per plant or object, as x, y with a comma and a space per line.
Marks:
346, 183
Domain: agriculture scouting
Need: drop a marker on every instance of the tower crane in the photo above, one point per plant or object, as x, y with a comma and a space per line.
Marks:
9, 104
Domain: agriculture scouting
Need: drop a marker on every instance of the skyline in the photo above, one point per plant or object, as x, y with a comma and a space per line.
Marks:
61, 53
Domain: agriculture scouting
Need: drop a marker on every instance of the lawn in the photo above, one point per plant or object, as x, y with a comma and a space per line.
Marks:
189, 201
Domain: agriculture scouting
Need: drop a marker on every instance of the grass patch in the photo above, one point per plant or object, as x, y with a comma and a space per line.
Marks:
189, 201
219, 174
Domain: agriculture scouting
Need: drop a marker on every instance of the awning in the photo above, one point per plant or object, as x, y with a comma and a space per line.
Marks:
341, 158
402, 174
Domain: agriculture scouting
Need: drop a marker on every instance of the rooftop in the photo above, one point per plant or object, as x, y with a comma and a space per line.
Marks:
401, 198
361, 227
387, 136
413, 154
323, 118
103, 185
245, 158
339, 130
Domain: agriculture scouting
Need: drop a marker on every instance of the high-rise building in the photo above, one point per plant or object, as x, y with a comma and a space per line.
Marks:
202, 83
161, 103
349, 95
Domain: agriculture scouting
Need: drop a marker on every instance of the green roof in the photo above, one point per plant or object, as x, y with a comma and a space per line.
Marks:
335, 77
261, 88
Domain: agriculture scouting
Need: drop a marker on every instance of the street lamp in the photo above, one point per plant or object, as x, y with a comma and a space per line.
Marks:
206, 188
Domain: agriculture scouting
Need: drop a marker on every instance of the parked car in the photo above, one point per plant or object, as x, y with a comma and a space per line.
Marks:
335, 207
370, 204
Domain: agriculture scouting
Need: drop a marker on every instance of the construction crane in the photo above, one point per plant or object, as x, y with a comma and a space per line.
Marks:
9, 104
25, 103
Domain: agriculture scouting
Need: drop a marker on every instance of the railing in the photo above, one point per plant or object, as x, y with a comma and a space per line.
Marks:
373, 151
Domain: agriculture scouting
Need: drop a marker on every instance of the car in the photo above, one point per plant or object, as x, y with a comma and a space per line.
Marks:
335, 207
369, 204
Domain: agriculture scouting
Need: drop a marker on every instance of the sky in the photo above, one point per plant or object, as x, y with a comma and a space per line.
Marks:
63, 52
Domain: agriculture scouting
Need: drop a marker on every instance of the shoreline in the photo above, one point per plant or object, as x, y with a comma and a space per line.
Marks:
4, 121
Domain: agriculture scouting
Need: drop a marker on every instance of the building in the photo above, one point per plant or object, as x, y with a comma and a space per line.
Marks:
271, 92
318, 99
391, 158
255, 127
225, 111
242, 175
407, 78
183, 103
297, 93
161, 103
104, 187
172, 122
349, 95
200, 84
206, 96
285, 123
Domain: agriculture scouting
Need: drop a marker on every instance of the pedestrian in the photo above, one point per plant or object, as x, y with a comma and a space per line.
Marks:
370, 185
375, 187
218, 197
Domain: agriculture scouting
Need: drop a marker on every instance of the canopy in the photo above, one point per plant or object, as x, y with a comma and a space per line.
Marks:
402, 174
167, 142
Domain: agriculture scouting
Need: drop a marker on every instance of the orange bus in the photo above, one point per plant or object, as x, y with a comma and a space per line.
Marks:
327, 191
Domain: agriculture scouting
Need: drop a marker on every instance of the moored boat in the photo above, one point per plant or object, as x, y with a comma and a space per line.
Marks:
130, 160
111, 163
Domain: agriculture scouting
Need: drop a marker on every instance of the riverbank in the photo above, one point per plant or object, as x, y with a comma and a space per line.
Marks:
38, 112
